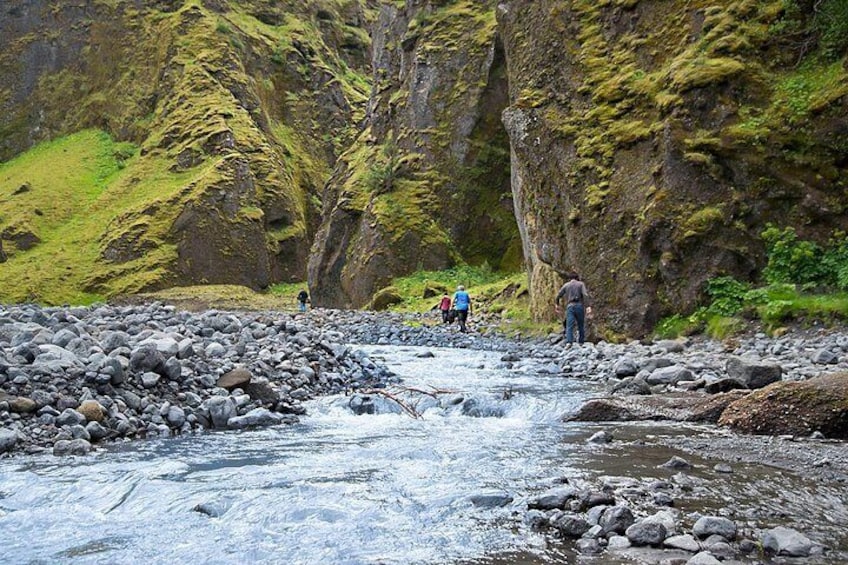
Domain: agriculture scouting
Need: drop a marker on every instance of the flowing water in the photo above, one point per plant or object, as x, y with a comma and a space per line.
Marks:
336, 488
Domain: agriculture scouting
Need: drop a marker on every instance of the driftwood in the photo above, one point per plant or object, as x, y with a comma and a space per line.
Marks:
405, 406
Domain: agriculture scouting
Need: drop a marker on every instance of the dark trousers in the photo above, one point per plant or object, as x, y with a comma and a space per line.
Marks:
445, 319
462, 316
575, 315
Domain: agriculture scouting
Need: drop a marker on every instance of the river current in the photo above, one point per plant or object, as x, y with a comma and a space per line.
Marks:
335, 488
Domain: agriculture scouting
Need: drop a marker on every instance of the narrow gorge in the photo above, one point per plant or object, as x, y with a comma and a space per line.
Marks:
644, 143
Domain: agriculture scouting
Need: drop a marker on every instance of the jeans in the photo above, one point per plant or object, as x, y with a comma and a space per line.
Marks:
574, 314
301, 306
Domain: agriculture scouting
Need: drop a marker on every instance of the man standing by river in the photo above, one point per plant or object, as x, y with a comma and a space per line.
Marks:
576, 308
462, 305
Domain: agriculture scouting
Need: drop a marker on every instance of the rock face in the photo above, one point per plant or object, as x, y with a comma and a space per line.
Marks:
819, 404
635, 159
220, 103
645, 144
427, 182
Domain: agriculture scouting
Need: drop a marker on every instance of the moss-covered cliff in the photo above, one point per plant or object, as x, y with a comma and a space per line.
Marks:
426, 185
653, 139
233, 114
644, 143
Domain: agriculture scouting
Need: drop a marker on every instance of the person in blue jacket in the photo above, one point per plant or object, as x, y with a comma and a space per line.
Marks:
462, 305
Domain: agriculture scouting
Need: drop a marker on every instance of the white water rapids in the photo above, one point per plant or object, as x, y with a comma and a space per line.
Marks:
373, 489
337, 488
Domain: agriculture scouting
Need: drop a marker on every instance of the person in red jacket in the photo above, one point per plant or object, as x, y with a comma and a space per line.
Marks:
445, 306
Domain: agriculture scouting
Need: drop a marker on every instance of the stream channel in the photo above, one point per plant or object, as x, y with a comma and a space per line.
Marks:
381, 488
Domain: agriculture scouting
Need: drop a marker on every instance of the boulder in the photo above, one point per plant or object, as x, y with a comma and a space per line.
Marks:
669, 375
570, 526
725, 384
646, 533
236, 378
787, 542
69, 417
625, 367
703, 558
256, 418
221, 410
146, 359
552, 500
825, 356
384, 298
263, 392
707, 526
616, 520
96, 431
683, 542
752, 373
8, 439
92, 410
797, 408
491, 500
71, 447
23, 405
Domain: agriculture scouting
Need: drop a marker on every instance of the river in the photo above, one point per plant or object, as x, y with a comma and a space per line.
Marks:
337, 487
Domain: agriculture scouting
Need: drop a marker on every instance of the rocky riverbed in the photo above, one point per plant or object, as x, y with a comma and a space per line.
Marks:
73, 378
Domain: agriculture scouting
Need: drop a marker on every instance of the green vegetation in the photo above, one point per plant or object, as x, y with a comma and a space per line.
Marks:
795, 267
83, 191
503, 294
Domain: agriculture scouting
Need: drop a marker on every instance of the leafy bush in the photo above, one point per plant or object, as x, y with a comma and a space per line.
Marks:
728, 295
791, 260
831, 22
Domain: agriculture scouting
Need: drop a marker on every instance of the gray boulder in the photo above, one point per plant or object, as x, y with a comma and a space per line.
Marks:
825, 356
491, 500
255, 418
176, 416
146, 359
71, 447
69, 417
786, 541
669, 375
571, 526
684, 542
646, 533
110, 341
753, 373
714, 525
703, 558
553, 499
221, 410
149, 379
8, 439
96, 431
625, 367
616, 520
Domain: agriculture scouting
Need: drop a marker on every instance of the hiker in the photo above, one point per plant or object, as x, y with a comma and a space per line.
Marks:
302, 299
576, 309
462, 305
445, 307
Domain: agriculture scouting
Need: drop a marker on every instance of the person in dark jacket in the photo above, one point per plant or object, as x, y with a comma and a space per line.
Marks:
302, 299
576, 308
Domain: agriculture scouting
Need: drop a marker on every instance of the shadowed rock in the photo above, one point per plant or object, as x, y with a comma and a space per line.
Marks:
234, 379
820, 404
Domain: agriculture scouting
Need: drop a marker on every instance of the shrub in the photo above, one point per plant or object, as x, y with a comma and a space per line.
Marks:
728, 295
791, 260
